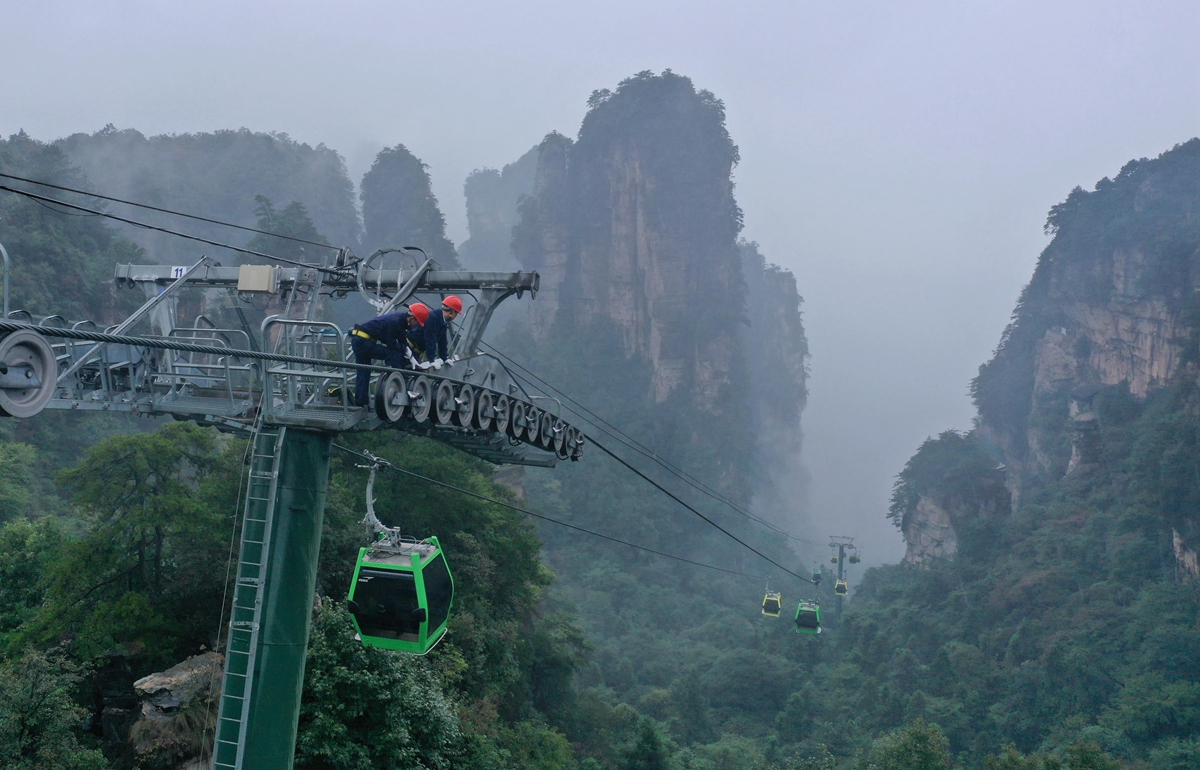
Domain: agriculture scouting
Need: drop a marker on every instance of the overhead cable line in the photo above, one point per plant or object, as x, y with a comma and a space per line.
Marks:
375, 459
603, 424
676, 498
135, 223
166, 343
165, 211
633, 444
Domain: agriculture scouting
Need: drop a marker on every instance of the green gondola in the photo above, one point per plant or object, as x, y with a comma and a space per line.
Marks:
401, 595
808, 618
772, 604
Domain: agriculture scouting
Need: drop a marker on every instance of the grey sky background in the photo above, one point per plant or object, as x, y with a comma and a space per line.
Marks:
898, 157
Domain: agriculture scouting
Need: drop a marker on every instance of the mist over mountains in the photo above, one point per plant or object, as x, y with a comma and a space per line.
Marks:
1045, 611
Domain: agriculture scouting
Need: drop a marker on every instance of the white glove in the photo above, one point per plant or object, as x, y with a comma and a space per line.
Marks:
437, 364
449, 362
411, 359
424, 365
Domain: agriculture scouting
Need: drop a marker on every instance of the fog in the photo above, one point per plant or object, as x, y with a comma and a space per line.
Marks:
898, 157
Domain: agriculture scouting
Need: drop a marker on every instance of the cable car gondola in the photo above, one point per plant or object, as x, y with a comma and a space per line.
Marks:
808, 618
401, 595
841, 588
402, 591
772, 604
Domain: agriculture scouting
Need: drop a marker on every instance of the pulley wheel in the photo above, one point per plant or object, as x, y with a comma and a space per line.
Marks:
533, 423
516, 422
464, 406
390, 397
420, 399
558, 437
577, 446
545, 437
563, 450
444, 407
484, 411
503, 413
28, 375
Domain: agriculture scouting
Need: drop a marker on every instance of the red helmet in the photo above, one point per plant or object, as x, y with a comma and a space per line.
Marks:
453, 302
419, 311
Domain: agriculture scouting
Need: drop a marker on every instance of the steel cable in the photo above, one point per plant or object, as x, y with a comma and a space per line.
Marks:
165, 211
676, 498
542, 517
145, 226
633, 444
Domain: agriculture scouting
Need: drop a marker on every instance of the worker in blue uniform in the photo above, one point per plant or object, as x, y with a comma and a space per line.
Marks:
385, 338
437, 352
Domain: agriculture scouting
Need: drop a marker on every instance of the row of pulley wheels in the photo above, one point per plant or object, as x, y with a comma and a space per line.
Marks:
452, 404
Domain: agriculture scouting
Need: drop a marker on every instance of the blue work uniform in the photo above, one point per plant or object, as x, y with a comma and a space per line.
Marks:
387, 340
436, 345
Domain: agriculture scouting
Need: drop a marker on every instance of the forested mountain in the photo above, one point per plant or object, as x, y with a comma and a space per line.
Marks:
1046, 615
399, 208
1056, 600
653, 314
216, 175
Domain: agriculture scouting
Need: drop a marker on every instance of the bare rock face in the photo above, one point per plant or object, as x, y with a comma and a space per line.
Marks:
1134, 342
1187, 565
929, 534
180, 685
179, 708
634, 228
512, 478
1111, 303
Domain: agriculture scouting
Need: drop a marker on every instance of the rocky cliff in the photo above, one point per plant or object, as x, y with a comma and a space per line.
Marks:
634, 228
1111, 309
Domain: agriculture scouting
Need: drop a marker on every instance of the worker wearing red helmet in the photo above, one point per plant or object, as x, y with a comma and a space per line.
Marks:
437, 350
385, 338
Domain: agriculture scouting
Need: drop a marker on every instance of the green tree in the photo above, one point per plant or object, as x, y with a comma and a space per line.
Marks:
917, 746
16, 478
294, 222
26, 551
817, 759
649, 751
149, 568
366, 708
39, 721
1089, 756
537, 747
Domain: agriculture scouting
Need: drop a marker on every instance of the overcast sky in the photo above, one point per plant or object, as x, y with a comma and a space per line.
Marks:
898, 157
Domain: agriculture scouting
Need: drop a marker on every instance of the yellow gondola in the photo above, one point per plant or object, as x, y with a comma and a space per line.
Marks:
772, 604
841, 588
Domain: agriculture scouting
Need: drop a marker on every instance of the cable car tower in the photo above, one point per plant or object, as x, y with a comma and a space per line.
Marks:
841, 545
287, 386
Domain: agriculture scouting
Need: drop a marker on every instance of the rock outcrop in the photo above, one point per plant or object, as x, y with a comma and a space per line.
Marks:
633, 228
929, 534
179, 708
1111, 308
